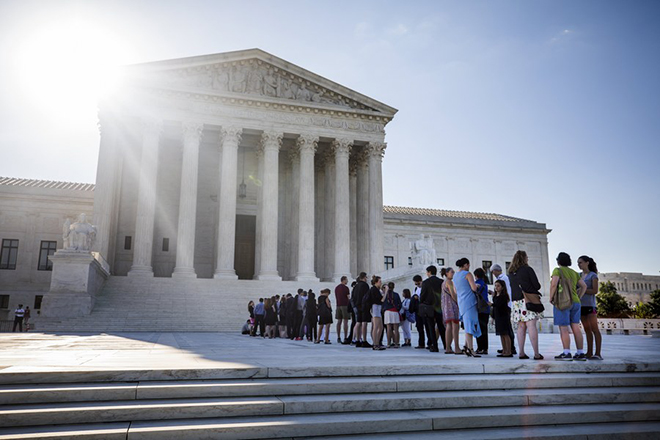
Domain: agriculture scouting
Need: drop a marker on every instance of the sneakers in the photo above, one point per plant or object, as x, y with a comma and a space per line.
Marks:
580, 357
564, 357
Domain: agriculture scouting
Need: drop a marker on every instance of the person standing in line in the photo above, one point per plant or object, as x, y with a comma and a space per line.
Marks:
282, 317
502, 316
440, 331
19, 314
496, 270
325, 316
589, 316
26, 318
342, 314
450, 313
466, 289
523, 279
361, 301
353, 312
570, 316
270, 318
392, 319
311, 315
300, 314
482, 285
259, 312
376, 300
408, 318
419, 319
291, 302
430, 286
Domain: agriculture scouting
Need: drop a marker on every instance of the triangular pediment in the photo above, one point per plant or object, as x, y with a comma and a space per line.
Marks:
255, 74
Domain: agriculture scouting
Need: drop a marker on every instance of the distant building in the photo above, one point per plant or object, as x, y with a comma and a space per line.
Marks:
635, 287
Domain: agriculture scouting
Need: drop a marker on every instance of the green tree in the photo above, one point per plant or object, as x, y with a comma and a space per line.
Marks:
610, 303
643, 311
655, 302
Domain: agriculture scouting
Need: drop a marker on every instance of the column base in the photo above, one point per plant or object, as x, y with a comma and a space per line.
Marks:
307, 277
184, 272
225, 275
141, 271
268, 276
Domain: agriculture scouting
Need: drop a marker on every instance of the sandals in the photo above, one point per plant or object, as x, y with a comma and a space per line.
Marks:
540, 357
595, 358
523, 357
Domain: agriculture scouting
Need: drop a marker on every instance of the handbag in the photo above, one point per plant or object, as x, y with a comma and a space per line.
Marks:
482, 304
533, 302
562, 299
426, 311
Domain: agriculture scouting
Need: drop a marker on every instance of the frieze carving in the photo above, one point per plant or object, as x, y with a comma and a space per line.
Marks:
258, 78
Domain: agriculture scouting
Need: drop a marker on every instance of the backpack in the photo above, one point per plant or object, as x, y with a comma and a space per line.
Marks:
414, 305
562, 299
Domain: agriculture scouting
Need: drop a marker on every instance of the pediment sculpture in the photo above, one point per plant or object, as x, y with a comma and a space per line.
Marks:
79, 235
257, 78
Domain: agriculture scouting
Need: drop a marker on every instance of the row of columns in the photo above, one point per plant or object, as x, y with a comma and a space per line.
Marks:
366, 207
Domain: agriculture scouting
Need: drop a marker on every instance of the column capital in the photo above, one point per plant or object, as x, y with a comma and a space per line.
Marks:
352, 166
231, 132
294, 155
328, 156
307, 142
192, 130
271, 139
342, 146
376, 149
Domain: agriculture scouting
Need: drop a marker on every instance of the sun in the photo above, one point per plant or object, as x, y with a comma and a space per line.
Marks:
65, 68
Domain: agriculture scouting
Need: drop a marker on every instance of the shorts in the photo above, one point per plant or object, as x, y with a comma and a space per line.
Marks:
392, 317
377, 311
342, 313
363, 316
568, 316
585, 311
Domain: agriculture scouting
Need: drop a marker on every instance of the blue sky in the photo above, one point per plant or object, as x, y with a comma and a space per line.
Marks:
547, 110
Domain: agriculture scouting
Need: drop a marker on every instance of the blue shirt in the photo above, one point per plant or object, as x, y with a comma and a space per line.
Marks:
483, 291
589, 300
259, 309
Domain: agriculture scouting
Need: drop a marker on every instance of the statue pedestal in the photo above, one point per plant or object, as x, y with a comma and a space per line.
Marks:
77, 278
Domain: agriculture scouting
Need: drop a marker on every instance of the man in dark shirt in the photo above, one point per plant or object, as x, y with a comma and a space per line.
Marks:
291, 303
342, 314
364, 316
430, 286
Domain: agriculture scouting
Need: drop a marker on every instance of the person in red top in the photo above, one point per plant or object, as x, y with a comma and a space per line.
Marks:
343, 315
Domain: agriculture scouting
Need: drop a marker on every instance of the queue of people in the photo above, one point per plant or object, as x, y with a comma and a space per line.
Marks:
439, 307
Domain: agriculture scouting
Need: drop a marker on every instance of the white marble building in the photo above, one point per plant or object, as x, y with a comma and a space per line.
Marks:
635, 287
241, 166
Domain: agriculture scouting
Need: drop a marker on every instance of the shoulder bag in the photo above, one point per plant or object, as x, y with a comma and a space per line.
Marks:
562, 299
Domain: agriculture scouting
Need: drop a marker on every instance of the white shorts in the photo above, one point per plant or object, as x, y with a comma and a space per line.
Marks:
392, 317
376, 311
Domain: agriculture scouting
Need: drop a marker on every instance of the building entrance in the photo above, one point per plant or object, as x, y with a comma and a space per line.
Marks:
246, 227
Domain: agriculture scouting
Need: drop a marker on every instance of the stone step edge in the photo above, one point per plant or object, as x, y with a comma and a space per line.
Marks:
125, 391
123, 411
8, 376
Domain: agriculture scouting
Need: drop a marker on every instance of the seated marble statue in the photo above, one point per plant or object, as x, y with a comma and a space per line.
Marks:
80, 235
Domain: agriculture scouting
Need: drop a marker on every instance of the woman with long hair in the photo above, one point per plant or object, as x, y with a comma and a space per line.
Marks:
270, 318
450, 313
523, 279
376, 296
482, 285
325, 316
311, 316
405, 323
466, 289
589, 316
502, 315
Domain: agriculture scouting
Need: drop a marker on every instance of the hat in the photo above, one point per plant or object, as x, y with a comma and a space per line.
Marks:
496, 267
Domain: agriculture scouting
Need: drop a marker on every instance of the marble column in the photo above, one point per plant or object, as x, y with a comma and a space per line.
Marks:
377, 257
146, 203
106, 185
307, 145
329, 216
294, 157
319, 215
185, 240
352, 170
342, 220
259, 154
271, 142
362, 212
231, 137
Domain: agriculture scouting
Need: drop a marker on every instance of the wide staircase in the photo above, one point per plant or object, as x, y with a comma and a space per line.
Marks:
565, 401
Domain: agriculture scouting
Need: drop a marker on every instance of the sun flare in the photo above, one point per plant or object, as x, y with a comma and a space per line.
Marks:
66, 68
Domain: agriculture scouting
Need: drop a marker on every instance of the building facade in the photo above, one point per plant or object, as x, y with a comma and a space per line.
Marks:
635, 287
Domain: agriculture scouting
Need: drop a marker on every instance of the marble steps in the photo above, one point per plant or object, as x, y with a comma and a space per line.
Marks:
300, 405
190, 389
607, 419
602, 431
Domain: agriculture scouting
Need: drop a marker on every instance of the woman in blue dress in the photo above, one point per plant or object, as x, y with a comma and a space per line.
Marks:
467, 304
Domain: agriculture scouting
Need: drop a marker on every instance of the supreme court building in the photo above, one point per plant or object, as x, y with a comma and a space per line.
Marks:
218, 169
